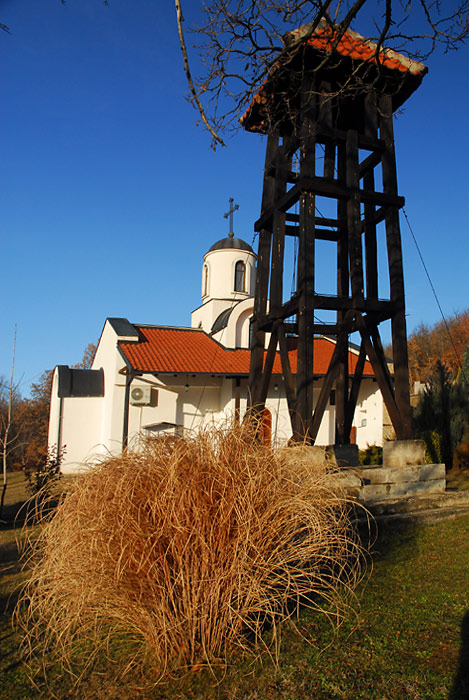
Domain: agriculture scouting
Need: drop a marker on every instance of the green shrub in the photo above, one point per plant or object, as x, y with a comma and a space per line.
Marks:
44, 473
372, 455
461, 457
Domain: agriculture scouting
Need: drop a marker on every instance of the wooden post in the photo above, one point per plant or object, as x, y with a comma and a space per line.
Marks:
342, 437
262, 278
396, 274
360, 208
306, 244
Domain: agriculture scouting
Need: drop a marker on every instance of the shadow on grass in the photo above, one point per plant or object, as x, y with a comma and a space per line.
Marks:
460, 688
380, 536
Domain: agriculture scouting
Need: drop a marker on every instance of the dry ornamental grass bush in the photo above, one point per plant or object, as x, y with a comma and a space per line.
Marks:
185, 549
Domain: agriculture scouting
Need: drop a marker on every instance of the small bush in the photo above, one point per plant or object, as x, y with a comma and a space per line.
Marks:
44, 473
461, 457
433, 448
186, 549
373, 455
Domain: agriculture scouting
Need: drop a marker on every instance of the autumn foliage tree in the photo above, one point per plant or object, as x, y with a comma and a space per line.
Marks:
30, 418
439, 358
446, 341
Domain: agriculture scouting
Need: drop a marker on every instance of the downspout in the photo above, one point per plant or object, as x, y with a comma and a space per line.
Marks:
125, 427
59, 428
131, 374
237, 393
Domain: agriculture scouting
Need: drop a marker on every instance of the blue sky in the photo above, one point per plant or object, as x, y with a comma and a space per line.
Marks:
110, 193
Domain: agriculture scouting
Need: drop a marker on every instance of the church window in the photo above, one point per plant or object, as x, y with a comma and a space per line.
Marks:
205, 281
240, 274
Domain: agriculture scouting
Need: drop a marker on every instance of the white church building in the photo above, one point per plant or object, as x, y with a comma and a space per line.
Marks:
150, 379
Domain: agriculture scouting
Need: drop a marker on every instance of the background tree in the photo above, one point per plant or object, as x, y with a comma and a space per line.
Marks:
460, 404
34, 415
433, 415
88, 357
35, 419
445, 341
441, 417
27, 436
8, 433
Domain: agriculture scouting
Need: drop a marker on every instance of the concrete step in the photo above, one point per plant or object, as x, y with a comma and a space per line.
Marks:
421, 510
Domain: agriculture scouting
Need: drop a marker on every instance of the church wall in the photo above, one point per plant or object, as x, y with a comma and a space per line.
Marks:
369, 415
243, 325
108, 357
54, 414
187, 401
218, 285
221, 265
200, 406
369, 409
80, 431
146, 419
205, 316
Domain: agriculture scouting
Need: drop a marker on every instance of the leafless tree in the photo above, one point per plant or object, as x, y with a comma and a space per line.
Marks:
237, 42
7, 439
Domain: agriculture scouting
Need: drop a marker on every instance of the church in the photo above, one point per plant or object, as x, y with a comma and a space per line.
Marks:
148, 380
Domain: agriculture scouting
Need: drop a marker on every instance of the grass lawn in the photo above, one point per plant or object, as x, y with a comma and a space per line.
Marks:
404, 643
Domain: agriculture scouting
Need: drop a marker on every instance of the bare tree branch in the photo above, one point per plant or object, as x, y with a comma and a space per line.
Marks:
195, 97
238, 42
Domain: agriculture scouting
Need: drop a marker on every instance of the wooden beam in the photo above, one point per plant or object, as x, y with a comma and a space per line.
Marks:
382, 309
343, 292
288, 378
378, 216
354, 389
283, 163
320, 220
321, 234
325, 133
353, 218
368, 164
305, 271
334, 190
396, 274
382, 375
262, 280
371, 248
268, 366
325, 188
331, 303
282, 204
332, 372
325, 117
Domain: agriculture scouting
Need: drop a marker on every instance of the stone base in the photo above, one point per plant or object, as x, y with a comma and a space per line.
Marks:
401, 453
382, 483
343, 455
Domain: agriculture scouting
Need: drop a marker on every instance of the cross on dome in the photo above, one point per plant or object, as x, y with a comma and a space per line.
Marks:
229, 213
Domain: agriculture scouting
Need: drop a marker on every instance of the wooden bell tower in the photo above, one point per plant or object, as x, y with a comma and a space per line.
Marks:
327, 109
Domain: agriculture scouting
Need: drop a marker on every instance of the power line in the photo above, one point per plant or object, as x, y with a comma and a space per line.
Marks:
458, 359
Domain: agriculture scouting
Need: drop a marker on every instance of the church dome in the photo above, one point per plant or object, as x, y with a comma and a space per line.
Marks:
230, 242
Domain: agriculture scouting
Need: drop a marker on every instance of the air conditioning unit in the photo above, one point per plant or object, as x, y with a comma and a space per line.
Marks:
140, 395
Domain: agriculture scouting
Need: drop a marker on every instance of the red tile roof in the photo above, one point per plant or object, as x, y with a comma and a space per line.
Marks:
191, 351
357, 47
350, 45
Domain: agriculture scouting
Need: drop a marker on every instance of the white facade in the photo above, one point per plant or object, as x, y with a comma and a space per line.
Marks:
95, 412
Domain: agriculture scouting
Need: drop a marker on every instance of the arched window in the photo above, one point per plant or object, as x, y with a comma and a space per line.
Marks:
240, 274
205, 281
